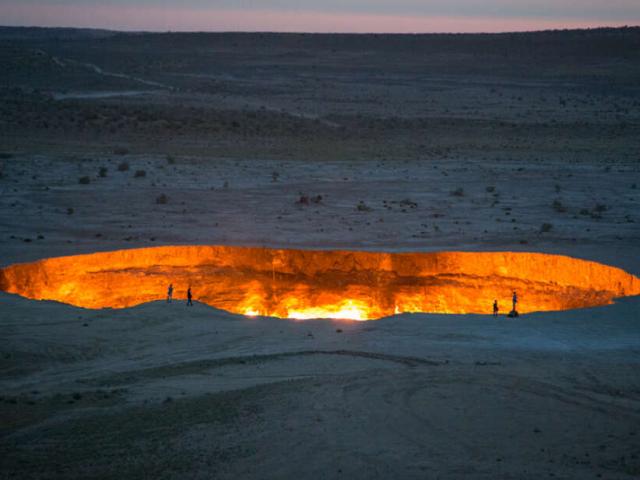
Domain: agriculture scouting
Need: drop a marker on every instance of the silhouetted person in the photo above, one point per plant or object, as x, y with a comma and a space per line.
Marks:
189, 297
170, 293
495, 308
514, 299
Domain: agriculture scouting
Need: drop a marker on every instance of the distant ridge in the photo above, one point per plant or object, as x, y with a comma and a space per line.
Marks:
71, 33
518, 48
52, 33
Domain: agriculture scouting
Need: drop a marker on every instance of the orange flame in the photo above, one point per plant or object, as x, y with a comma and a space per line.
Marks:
305, 284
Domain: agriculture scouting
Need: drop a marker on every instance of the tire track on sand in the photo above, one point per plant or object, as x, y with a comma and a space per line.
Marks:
198, 366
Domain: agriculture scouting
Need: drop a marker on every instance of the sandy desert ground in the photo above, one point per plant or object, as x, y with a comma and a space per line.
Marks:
500, 142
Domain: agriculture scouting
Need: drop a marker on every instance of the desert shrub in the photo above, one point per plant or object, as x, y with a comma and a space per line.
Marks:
120, 151
70, 211
171, 159
103, 172
601, 208
458, 192
546, 227
584, 211
558, 206
598, 210
491, 189
123, 167
140, 174
408, 203
84, 180
5, 156
363, 207
162, 199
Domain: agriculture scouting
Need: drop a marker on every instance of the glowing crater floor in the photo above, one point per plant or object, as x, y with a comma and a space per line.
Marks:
305, 284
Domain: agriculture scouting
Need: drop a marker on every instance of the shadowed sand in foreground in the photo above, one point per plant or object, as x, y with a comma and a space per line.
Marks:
164, 390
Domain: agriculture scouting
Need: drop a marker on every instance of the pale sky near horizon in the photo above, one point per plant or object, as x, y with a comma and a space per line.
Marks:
324, 16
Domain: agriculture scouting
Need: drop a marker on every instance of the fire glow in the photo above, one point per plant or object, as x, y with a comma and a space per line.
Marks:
303, 284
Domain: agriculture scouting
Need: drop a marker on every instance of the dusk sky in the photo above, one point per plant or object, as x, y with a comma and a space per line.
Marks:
324, 16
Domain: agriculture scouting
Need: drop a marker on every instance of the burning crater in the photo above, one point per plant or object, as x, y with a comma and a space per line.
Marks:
316, 284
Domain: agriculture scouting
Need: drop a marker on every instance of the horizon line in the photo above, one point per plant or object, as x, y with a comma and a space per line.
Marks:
302, 32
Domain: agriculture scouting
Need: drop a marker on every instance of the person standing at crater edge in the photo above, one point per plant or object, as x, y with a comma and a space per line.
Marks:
189, 297
514, 299
170, 293
495, 308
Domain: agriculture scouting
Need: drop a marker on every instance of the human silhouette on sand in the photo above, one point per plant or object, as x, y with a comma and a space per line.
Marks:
170, 293
189, 297
514, 301
495, 308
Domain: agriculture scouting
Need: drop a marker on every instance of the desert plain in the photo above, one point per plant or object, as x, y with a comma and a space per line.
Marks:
406, 143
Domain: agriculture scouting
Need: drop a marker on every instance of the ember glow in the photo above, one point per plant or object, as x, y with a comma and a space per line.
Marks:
303, 284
